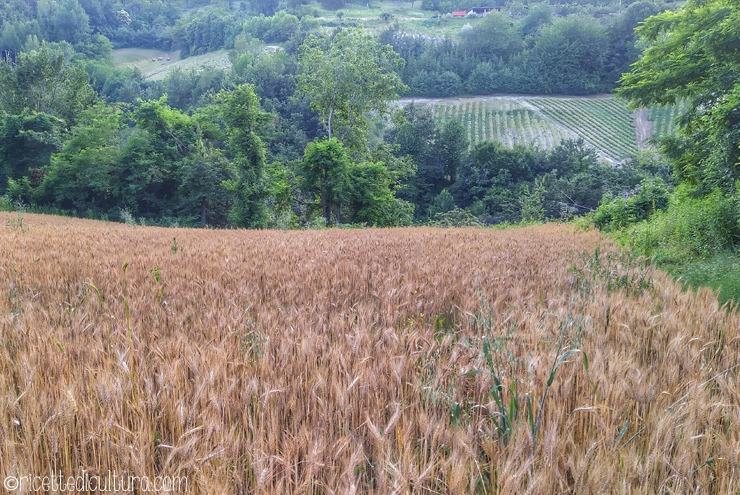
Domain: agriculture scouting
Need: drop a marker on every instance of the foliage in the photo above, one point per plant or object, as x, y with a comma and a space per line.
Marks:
243, 118
720, 272
451, 147
347, 76
204, 178
691, 59
27, 142
569, 56
83, 175
188, 90
205, 31
532, 201
692, 226
617, 213
43, 80
63, 20
324, 173
415, 135
371, 198
689, 66
277, 28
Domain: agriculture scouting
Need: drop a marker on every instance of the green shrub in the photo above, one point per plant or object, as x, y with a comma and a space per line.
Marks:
616, 213
5, 204
690, 227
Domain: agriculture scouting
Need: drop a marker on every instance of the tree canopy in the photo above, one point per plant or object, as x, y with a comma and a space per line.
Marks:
693, 59
347, 76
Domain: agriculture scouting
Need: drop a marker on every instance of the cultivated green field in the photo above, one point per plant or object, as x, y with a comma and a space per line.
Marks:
604, 122
149, 63
509, 120
663, 119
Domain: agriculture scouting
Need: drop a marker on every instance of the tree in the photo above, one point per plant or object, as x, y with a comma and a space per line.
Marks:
26, 145
240, 112
415, 134
692, 59
495, 36
452, 147
371, 199
43, 81
346, 77
532, 201
265, 7
163, 137
204, 176
63, 20
569, 57
324, 173
83, 176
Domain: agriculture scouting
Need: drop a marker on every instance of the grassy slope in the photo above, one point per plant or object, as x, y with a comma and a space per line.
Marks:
720, 272
158, 69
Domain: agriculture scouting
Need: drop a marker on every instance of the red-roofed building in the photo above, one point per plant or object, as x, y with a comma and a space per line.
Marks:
459, 13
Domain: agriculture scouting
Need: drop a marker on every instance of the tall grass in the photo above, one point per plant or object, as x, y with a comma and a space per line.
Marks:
338, 362
696, 239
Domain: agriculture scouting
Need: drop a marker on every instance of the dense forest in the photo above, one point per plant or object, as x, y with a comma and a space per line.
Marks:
303, 134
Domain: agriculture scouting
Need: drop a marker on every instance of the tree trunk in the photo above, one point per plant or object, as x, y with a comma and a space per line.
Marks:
203, 212
325, 205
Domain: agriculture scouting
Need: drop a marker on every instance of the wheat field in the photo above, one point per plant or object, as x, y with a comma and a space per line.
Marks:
360, 361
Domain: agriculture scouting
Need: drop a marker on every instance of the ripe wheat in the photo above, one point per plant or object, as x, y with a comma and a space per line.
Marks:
340, 361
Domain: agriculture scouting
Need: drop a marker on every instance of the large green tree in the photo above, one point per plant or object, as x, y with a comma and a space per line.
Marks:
26, 144
204, 176
693, 59
63, 20
44, 80
244, 121
84, 176
324, 174
346, 77
569, 56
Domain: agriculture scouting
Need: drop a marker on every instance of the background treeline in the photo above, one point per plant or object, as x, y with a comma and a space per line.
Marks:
536, 48
534, 52
81, 136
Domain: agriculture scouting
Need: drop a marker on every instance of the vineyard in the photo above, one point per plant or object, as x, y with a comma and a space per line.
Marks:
663, 119
508, 120
604, 123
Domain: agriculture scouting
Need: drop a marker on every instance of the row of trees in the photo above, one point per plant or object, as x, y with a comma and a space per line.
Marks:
534, 51
67, 149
